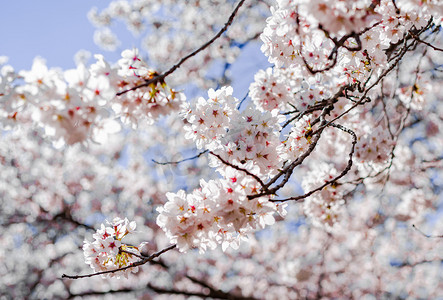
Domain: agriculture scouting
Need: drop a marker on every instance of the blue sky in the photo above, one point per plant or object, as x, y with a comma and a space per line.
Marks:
56, 30
53, 29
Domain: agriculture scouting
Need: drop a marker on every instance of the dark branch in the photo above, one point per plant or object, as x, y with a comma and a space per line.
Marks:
135, 264
66, 216
172, 291
238, 168
363, 98
334, 180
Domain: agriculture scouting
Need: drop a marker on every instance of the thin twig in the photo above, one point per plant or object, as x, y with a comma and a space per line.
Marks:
134, 264
417, 263
131, 253
242, 100
385, 111
423, 42
238, 168
180, 161
427, 235
173, 291
101, 293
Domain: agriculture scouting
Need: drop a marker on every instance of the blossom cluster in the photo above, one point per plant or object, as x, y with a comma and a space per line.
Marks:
287, 88
269, 91
146, 102
300, 33
238, 137
374, 147
219, 212
298, 140
353, 102
326, 207
81, 104
242, 144
107, 252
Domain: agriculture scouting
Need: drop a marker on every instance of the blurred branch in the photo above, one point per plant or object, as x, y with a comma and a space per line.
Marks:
66, 216
427, 235
213, 293
179, 161
101, 293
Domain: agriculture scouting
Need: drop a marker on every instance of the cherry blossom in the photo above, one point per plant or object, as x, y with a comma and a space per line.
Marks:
323, 182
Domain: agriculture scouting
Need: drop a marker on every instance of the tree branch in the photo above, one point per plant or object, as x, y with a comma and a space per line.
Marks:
135, 264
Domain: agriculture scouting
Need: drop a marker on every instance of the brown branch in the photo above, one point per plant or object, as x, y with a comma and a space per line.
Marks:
385, 112
216, 293
321, 105
337, 45
434, 160
161, 77
397, 11
334, 180
135, 264
131, 253
433, 163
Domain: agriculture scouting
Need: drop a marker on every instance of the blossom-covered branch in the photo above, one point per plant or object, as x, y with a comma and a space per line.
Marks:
160, 78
